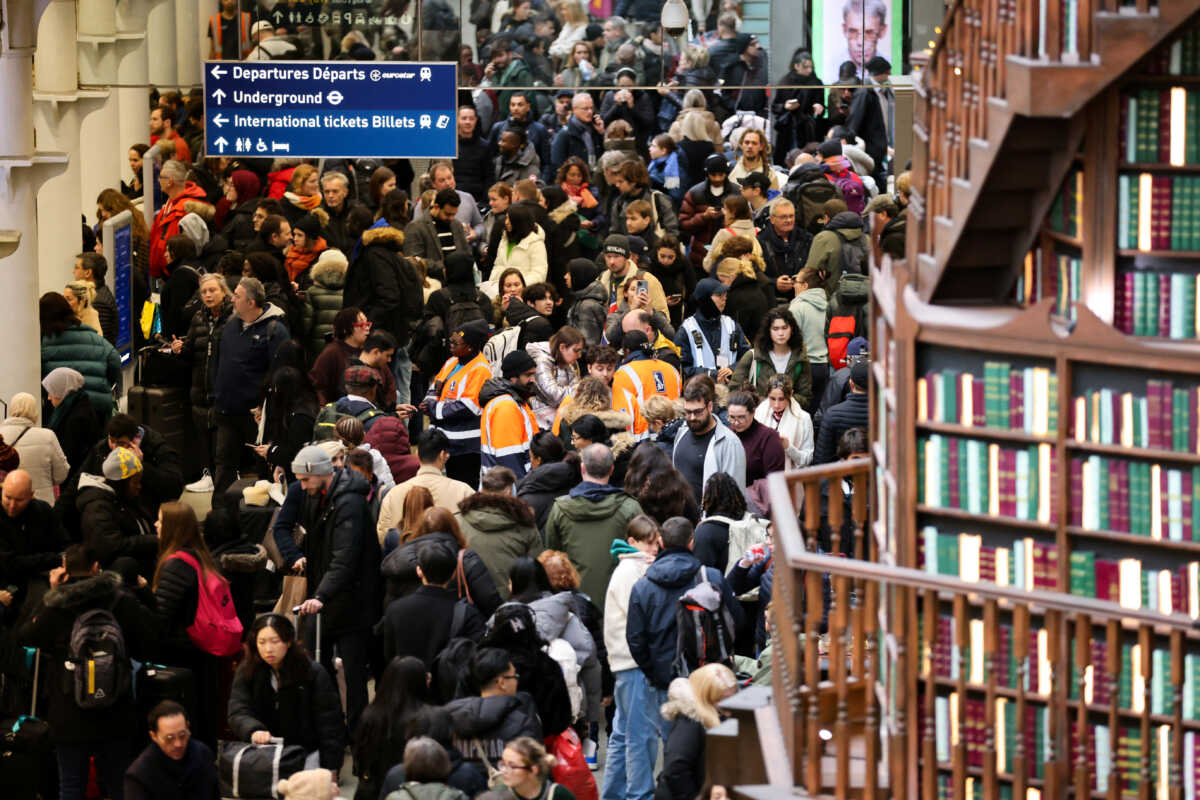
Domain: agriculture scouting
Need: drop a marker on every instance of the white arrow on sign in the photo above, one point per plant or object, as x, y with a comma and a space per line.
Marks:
278, 17
217, 71
218, 120
219, 95
220, 143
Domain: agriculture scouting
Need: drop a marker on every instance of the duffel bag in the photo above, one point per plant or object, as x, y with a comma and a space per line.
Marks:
254, 770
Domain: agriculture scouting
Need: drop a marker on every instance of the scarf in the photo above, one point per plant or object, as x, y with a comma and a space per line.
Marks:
308, 203
298, 260
64, 408
580, 194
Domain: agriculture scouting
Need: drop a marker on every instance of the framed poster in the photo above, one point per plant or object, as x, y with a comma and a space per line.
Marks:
856, 31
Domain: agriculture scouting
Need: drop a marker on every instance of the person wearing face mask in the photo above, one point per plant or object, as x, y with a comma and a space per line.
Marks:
709, 342
700, 216
507, 424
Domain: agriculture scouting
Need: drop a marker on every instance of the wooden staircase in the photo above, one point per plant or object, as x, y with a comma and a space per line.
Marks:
1001, 111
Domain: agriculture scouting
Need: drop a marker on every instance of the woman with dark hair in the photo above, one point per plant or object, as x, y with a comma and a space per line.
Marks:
395, 209
383, 180
67, 342
778, 350
290, 410
183, 561
658, 487
781, 412
510, 287
796, 110
402, 693
514, 629
722, 503
133, 189
523, 246
557, 371
472, 580
279, 692
350, 331
437, 724
500, 198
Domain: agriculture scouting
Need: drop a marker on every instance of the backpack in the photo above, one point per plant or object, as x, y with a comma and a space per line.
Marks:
852, 189
217, 629
810, 197
98, 660
328, 418
564, 655
744, 533
461, 312
704, 628
846, 316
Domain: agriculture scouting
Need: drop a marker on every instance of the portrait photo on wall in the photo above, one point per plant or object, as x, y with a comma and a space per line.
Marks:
855, 31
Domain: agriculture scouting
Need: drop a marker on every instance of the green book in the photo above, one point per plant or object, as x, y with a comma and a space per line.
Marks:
984, 497
964, 485
1052, 416
950, 396
1103, 518
1083, 574
944, 461
947, 555
1133, 122
1179, 412
1125, 682
1133, 212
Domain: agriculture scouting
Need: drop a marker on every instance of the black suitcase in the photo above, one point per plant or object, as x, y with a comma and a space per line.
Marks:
155, 683
166, 410
27, 761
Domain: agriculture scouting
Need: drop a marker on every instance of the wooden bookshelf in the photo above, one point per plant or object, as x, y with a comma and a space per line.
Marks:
975, 432
1062, 238
1133, 452
1126, 166
1193, 255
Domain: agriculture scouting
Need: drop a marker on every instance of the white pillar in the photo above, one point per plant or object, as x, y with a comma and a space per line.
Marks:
204, 10
101, 153
54, 61
97, 18
133, 79
58, 200
160, 40
187, 50
18, 302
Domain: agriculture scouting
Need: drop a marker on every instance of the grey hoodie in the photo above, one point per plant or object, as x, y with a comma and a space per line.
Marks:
809, 310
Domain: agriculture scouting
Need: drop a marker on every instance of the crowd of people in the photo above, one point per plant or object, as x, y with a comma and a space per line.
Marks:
503, 425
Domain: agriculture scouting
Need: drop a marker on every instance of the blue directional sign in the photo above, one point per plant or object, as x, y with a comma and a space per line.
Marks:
330, 109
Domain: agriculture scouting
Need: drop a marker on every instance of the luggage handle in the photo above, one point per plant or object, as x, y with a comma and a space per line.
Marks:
317, 654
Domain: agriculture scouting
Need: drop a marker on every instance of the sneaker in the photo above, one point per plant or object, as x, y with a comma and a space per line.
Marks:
590, 753
205, 484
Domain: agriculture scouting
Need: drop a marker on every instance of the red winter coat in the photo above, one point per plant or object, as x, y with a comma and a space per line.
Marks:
192, 200
390, 437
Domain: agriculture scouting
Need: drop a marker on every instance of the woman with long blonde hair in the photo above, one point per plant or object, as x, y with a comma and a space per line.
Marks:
692, 705
80, 295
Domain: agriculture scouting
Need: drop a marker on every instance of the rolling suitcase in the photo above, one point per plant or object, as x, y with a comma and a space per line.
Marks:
26, 752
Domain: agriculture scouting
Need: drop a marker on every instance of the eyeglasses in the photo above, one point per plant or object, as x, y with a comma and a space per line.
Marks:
695, 413
739, 418
507, 767
512, 677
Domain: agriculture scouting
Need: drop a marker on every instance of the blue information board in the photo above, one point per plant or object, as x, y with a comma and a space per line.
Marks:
118, 251
330, 109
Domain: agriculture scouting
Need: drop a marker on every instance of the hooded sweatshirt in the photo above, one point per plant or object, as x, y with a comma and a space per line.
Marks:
500, 529
584, 524
631, 566
809, 311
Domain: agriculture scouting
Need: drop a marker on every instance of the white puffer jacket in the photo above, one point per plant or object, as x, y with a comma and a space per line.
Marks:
41, 455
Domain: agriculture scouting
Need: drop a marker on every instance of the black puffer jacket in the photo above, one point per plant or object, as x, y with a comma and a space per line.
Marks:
546, 483
341, 551
50, 629
307, 713
239, 225
177, 595
200, 347
162, 474
489, 723
383, 284
114, 526
400, 572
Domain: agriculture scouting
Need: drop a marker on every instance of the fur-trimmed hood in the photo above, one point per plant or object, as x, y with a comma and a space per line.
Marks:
245, 562
193, 200
384, 235
622, 443
613, 420
681, 702
330, 269
94, 591
559, 213
495, 513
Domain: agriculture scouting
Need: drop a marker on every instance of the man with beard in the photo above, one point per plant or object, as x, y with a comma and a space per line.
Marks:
706, 446
507, 423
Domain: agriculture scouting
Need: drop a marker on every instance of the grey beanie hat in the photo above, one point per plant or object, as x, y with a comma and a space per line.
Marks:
312, 460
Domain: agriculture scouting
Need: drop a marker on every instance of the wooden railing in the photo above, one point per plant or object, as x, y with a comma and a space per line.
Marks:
896, 683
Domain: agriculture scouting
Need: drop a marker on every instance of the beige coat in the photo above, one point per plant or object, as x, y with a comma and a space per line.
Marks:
740, 227
41, 455
447, 493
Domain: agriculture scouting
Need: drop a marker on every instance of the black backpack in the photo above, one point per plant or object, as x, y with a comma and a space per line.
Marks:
461, 312
704, 628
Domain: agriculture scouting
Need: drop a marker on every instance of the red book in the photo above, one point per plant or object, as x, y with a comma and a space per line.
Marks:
978, 408
1008, 483
1076, 491
953, 467
1164, 126
1154, 412
1099, 671
1045, 566
1160, 209
1123, 495
987, 563
1178, 595
933, 409
1167, 426
1016, 400
1033, 669
1164, 313
1123, 305
1108, 580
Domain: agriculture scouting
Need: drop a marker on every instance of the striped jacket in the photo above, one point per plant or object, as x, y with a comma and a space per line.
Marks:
453, 402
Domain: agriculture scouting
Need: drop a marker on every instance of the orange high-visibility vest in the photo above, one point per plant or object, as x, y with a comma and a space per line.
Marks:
214, 28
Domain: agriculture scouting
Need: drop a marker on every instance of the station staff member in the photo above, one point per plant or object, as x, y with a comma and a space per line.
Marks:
508, 421
453, 400
642, 376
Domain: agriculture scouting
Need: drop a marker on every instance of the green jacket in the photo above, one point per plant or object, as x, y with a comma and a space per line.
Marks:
825, 255
500, 529
515, 74
798, 369
323, 299
583, 525
81, 348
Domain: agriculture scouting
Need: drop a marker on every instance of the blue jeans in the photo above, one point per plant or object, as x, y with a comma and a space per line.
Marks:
402, 369
113, 757
633, 745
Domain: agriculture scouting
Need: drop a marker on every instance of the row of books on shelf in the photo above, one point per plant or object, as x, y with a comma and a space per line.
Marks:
1158, 212
1164, 418
1159, 126
966, 723
1067, 209
1032, 564
1013, 399
1157, 304
1135, 497
986, 478
1181, 57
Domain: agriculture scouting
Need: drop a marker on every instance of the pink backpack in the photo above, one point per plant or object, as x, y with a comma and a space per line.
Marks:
217, 629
